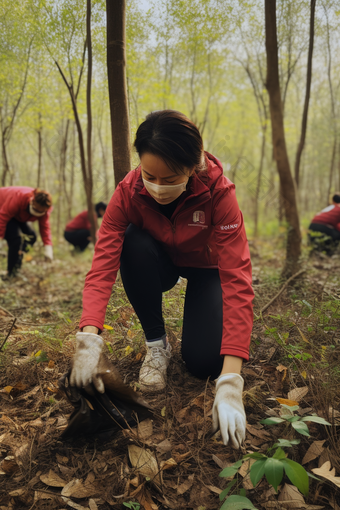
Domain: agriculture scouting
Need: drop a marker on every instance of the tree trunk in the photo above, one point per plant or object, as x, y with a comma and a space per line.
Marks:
259, 177
89, 187
331, 170
116, 68
39, 132
279, 142
5, 164
308, 87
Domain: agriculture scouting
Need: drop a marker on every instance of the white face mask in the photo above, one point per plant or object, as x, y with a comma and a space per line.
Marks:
33, 212
166, 193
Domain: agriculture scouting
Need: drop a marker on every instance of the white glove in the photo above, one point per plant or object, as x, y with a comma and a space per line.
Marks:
228, 409
48, 251
85, 361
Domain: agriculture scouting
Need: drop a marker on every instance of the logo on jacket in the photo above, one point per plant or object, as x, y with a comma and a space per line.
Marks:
198, 220
229, 227
198, 217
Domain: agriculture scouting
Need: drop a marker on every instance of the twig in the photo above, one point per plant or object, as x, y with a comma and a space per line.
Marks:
6, 311
10, 331
281, 290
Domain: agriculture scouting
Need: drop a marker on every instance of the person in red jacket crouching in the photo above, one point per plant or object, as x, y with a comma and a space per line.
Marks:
77, 231
175, 215
327, 221
18, 205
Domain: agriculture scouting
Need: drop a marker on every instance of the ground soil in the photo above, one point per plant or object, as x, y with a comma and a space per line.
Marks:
295, 344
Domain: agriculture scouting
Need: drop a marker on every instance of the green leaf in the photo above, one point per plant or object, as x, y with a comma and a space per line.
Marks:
271, 421
315, 419
237, 503
301, 427
228, 471
284, 443
279, 454
273, 470
254, 455
257, 471
291, 419
290, 408
314, 477
226, 491
297, 475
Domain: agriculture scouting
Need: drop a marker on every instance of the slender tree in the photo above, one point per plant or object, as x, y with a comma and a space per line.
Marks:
307, 96
279, 142
333, 102
116, 69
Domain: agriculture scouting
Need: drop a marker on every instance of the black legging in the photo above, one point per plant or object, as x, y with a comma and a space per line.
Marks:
147, 271
19, 237
79, 238
325, 229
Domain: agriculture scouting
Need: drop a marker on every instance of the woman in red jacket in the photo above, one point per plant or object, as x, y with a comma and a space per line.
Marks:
175, 215
18, 205
78, 231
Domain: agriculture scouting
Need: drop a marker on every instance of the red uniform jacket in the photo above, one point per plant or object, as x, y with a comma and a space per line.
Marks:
206, 230
81, 221
14, 203
329, 216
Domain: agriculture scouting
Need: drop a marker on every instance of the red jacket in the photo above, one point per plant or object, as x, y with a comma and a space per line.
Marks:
81, 221
206, 230
14, 202
329, 216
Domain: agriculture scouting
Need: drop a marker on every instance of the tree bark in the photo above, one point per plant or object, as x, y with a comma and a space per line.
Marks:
334, 119
39, 132
259, 177
279, 143
89, 187
331, 170
116, 67
5, 164
307, 96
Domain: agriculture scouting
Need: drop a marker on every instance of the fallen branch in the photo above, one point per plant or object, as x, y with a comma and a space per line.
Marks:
282, 289
6, 311
10, 331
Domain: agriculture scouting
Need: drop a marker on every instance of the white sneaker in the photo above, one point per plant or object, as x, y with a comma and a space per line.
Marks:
152, 375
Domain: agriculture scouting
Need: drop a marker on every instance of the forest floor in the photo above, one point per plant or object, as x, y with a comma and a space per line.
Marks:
295, 354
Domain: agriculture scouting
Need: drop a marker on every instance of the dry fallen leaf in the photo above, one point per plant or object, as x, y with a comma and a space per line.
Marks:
298, 393
260, 433
168, 464
73, 504
77, 489
17, 492
214, 489
287, 402
66, 471
290, 497
327, 472
313, 451
38, 495
52, 479
144, 498
93, 504
164, 446
145, 429
144, 462
185, 486
303, 336
22, 453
